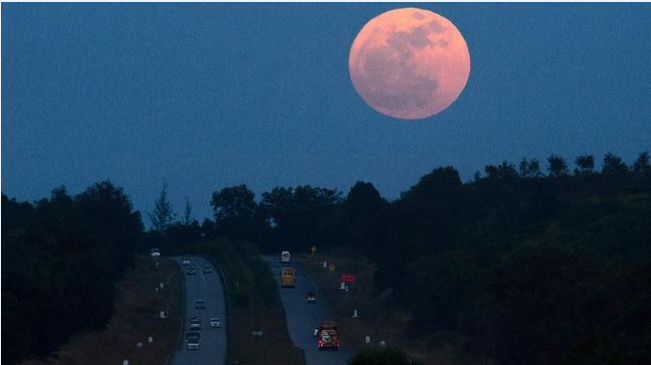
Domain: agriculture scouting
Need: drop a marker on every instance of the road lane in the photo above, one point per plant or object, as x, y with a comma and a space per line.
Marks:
206, 286
301, 317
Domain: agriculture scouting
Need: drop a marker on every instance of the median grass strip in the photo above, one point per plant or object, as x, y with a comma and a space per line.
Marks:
257, 331
253, 303
136, 318
272, 347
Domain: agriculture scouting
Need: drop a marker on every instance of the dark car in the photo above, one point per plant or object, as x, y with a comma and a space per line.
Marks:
200, 304
207, 269
191, 271
215, 322
192, 340
310, 298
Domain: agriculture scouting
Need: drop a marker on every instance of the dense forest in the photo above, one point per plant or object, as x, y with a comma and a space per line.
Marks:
519, 264
61, 258
522, 265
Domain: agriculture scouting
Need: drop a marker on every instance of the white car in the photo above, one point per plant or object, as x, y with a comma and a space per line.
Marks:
193, 340
155, 252
185, 261
195, 323
215, 322
285, 256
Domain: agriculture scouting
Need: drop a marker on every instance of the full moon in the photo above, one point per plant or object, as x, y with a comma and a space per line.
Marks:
409, 63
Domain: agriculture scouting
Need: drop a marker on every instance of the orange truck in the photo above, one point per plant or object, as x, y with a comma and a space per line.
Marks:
327, 336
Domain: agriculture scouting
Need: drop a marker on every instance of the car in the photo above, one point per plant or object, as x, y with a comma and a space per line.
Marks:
215, 322
207, 269
191, 271
192, 340
195, 323
200, 304
155, 252
310, 298
285, 256
185, 261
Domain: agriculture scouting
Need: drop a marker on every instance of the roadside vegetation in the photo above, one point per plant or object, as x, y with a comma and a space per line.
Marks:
61, 260
135, 319
518, 265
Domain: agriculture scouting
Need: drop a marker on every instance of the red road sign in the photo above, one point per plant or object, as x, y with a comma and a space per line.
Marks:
348, 278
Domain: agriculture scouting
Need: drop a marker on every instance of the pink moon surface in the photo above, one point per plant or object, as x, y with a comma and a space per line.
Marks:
409, 63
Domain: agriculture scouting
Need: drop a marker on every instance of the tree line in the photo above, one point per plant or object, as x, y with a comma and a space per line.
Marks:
519, 265
61, 258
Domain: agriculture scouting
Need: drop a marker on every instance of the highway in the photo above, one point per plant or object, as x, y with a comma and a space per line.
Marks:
208, 287
301, 317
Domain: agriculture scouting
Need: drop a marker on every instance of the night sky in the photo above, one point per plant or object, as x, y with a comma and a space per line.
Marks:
205, 96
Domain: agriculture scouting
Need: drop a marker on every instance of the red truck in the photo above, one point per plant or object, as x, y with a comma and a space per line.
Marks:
327, 336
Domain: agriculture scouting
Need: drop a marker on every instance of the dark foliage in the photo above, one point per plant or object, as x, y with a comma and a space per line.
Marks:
61, 259
525, 268
382, 357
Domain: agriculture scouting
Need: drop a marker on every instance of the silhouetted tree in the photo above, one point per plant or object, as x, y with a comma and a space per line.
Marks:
530, 168
503, 171
585, 164
61, 260
163, 214
187, 214
641, 164
613, 165
235, 202
557, 166
363, 203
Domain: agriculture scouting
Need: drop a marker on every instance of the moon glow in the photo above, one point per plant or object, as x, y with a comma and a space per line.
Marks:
409, 63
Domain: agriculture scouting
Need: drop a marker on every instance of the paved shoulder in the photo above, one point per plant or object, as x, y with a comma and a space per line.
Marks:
202, 283
302, 317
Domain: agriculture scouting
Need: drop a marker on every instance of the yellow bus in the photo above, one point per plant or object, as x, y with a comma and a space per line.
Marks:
287, 278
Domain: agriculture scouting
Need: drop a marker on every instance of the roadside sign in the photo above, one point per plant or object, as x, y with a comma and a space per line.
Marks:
348, 278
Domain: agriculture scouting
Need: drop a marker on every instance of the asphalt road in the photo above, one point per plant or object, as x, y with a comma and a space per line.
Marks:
301, 317
206, 286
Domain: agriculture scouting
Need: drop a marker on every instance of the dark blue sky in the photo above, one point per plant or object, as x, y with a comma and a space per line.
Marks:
206, 96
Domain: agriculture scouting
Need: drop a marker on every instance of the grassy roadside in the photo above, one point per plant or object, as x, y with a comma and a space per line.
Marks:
378, 317
135, 318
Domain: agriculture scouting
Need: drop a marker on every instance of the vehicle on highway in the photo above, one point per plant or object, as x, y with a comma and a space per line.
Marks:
327, 336
195, 323
285, 257
185, 261
191, 271
207, 269
192, 340
155, 252
200, 304
310, 298
215, 322
287, 277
